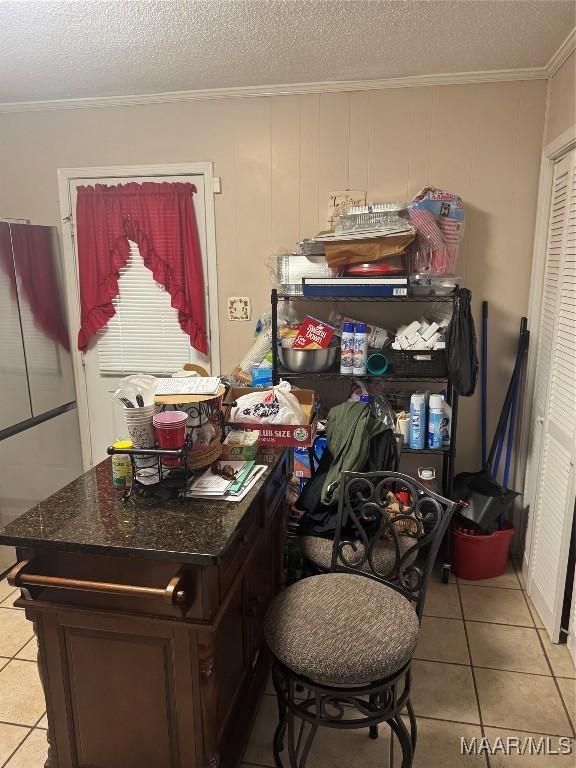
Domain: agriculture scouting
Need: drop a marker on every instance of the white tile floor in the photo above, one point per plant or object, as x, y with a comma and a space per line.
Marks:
22, 707
483, 667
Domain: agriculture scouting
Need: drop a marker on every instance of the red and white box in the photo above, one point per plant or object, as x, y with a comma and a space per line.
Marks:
313, 334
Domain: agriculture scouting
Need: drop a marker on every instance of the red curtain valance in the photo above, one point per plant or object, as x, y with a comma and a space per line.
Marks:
160, 218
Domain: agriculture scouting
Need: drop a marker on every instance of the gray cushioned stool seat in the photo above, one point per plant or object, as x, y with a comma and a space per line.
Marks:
319, 552
342, 629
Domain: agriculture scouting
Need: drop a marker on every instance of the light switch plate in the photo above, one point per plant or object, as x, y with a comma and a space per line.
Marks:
239, 308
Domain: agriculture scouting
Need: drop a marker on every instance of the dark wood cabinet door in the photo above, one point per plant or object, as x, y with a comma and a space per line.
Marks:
230, 655
127, 690
259, 589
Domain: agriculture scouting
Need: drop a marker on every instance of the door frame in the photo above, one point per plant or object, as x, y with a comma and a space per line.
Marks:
70, 266
551, 153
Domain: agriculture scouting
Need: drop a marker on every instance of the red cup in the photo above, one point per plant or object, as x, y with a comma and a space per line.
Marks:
172, 439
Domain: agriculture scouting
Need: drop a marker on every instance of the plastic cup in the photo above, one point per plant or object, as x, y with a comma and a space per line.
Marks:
170, 430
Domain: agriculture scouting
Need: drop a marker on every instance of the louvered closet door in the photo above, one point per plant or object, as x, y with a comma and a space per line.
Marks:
551, 477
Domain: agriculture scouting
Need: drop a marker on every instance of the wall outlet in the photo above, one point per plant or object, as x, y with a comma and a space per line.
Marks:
239, 308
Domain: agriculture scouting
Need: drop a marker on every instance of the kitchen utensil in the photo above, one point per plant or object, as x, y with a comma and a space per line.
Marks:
140, 400
308, 360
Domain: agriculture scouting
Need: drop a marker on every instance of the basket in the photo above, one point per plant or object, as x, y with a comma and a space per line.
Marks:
421, 362
203, 458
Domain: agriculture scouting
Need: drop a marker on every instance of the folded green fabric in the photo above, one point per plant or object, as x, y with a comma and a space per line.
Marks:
349, 429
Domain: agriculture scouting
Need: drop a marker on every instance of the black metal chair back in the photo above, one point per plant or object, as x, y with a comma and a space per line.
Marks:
369, 515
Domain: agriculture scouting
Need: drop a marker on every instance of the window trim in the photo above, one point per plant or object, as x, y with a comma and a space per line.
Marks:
68, 176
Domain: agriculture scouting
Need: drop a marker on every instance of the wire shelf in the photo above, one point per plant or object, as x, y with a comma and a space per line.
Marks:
447, 299
335, 375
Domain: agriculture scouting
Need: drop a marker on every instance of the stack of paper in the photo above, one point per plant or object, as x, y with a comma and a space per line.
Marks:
212, 486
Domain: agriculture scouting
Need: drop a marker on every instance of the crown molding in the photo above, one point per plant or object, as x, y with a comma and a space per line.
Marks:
294, 89
567, 47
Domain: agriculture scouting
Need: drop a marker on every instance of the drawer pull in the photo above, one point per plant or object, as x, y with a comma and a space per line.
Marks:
174, 592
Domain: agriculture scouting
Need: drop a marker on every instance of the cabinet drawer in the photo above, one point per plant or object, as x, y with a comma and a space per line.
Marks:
102, 583
237, 552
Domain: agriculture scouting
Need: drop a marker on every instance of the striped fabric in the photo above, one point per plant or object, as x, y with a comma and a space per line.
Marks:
342, 629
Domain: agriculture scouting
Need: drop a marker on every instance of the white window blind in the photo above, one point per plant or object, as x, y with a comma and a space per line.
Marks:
144, 335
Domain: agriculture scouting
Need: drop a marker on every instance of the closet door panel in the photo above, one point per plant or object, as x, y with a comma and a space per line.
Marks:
545, 336
555, 406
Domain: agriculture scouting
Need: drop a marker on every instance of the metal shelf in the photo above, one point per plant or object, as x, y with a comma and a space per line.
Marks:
449, 298
448, 454
334, 375
440, 451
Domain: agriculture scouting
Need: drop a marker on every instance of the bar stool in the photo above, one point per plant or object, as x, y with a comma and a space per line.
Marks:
348, 636
317, 553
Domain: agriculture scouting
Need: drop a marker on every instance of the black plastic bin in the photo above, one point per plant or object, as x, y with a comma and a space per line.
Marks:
419, 362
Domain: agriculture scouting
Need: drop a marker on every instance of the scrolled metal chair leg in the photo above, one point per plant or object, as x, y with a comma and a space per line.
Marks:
398, 727
413, 726
373, 731
278, 743
298, 747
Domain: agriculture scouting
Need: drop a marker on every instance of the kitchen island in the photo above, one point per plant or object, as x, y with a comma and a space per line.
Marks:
149, 619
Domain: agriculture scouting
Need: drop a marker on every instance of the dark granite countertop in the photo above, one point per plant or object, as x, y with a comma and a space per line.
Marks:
89, 516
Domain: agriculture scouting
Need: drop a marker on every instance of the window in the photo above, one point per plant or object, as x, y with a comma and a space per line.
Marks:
144, 335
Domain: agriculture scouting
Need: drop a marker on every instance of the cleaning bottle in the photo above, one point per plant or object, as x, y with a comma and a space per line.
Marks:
360, 349
436, 421
446, 425
347, 349
417, 421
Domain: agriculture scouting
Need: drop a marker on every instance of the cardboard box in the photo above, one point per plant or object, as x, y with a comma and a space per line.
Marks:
344, 252
281, 435
240, 445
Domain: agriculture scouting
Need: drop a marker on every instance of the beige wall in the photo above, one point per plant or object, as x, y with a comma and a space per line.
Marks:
562, 109
279, 157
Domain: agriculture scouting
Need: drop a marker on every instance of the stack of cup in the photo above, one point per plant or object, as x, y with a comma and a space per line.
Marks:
170, 429
141, 430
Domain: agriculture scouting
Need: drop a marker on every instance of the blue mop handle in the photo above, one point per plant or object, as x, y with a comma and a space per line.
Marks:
484, 380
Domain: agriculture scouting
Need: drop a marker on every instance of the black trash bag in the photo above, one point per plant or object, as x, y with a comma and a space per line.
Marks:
461, 353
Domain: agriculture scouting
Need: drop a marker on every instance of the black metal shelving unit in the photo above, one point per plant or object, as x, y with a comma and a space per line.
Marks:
278, 371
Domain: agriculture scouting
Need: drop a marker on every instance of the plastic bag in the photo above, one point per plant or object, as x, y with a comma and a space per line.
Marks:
461, 354
273, 406
438, 216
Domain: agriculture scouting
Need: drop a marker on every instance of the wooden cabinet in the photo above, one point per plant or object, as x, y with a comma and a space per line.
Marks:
120, 691
134, 681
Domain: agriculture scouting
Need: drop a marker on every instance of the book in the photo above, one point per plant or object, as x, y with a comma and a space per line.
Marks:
342, 291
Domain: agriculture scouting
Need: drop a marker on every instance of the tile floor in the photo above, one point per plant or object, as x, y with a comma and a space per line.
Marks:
483, 666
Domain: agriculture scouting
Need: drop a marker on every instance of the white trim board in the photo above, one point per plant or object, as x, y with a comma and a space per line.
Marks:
65, 177
288, 89
567, 47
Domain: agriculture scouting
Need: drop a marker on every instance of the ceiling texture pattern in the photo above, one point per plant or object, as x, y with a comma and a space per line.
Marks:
60, 50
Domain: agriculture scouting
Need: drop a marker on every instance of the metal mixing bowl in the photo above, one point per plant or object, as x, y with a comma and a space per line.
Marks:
308, 360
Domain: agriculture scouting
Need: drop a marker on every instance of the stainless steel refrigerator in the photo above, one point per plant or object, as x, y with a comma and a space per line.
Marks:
39, 435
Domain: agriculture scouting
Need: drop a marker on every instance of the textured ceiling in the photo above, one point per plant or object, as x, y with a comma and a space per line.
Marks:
54, 50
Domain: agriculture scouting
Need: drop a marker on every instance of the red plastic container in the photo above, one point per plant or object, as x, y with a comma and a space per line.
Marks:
481, 556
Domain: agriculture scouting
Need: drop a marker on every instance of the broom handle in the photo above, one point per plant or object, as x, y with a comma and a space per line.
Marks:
484, 379
500, 429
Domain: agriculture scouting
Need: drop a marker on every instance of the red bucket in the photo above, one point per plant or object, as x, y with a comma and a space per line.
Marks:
480, 556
